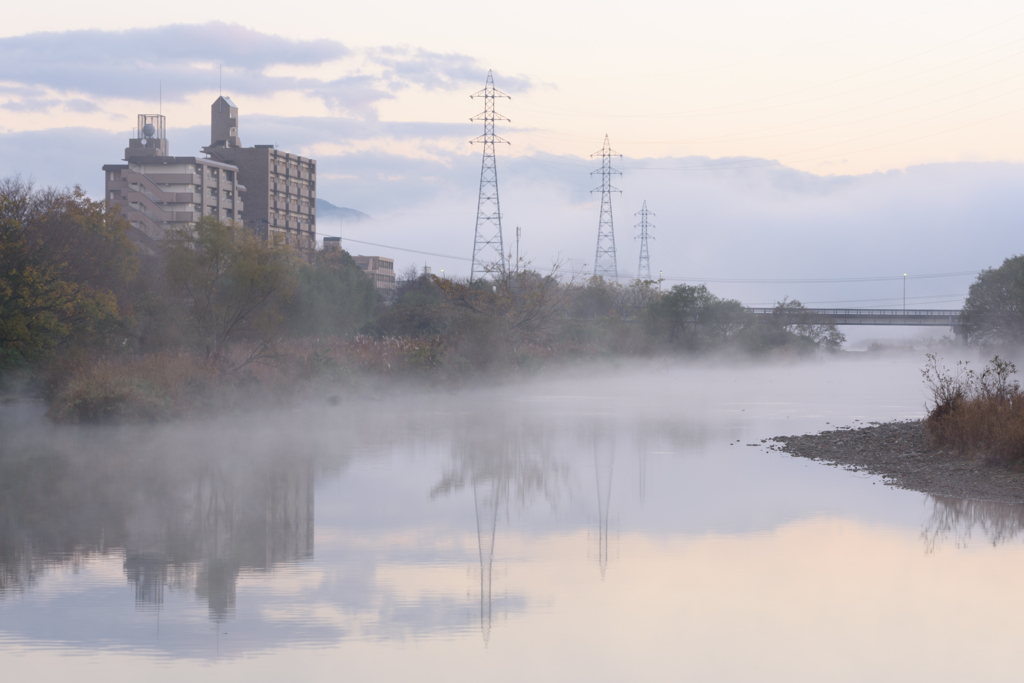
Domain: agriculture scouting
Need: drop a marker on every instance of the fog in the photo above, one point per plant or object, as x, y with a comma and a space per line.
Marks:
718, 221
463, 521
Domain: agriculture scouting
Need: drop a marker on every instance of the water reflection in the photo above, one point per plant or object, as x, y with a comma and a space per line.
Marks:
958, 519
501, 463
191, 525
604, 468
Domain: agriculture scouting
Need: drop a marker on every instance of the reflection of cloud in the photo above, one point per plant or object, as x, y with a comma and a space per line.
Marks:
959, 518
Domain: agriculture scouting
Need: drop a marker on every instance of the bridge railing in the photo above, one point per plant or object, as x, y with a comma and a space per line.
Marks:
863, 312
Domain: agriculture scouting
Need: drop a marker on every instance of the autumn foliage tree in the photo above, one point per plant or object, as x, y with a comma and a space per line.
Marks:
66, 268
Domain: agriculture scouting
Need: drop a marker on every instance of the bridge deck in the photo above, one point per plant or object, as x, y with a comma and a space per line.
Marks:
873, 316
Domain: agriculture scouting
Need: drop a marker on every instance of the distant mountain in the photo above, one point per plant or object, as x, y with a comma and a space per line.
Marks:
331, 212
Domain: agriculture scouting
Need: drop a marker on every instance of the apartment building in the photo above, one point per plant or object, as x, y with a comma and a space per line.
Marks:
381, 271
280, 188
158, 192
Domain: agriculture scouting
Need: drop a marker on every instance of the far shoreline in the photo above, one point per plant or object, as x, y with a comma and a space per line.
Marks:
899, 452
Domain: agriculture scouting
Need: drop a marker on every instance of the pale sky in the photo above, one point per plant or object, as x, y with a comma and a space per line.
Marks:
708, 95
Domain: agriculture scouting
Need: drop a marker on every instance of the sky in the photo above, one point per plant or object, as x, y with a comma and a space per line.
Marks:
775, 143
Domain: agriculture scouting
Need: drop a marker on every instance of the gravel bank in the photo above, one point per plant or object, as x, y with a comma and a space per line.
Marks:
899, 452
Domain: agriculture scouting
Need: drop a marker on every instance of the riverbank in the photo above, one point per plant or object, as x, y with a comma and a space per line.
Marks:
899, 452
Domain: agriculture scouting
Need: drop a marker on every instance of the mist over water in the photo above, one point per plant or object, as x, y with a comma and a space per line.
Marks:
604, 522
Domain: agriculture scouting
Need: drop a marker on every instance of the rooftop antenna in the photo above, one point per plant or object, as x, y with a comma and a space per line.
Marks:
488, 209
220, 79
161, 97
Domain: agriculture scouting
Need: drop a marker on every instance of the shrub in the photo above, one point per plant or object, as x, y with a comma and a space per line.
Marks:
976, 413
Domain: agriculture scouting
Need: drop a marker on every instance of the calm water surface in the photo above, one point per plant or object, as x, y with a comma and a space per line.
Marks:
599, 526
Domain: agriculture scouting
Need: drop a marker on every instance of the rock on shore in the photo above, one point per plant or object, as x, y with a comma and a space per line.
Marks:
900, 454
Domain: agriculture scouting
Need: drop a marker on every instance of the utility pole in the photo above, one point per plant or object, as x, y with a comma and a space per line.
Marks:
605, 263
519, 233
488, 209
643, 270
904, 292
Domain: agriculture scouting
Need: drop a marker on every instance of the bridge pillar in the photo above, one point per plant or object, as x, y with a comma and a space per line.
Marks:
960, 335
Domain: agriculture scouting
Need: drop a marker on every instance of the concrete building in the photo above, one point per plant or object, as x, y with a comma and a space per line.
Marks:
280, 188
158, 192
381, 270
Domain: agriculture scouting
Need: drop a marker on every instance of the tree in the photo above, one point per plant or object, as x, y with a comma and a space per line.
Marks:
994, 310
235, 284
66, 268
694, 318
333, 296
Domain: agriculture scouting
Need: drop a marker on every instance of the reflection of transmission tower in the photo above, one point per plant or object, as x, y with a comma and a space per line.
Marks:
605, 264
643, 270
488, 209
604, 465
486, 524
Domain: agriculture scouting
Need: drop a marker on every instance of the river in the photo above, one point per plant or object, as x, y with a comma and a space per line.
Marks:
612, 523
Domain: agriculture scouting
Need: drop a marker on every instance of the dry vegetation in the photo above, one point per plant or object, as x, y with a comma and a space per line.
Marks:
976, 413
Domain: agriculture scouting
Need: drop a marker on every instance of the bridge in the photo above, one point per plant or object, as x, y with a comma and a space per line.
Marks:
869, 316
866, 316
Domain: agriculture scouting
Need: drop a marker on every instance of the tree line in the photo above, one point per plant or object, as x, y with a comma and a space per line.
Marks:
72, 282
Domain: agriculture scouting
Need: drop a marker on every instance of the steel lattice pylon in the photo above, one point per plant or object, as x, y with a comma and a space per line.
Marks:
488, 208
643, 269
605, 263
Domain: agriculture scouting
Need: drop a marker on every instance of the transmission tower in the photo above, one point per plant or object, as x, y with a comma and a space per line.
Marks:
643, 270
488, 209
605, 263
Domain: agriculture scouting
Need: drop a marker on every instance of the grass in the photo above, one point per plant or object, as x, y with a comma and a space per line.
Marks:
980, 414
174, 384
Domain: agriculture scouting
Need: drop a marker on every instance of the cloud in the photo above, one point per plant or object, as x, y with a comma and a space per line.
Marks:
437, 71
715, 218
187, 58
30, 104
81, 106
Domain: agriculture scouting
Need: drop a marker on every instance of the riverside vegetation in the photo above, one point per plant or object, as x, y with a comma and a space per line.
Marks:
976, 414
214, 318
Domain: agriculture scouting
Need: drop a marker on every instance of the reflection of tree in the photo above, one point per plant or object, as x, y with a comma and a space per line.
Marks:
958, 518
194, 524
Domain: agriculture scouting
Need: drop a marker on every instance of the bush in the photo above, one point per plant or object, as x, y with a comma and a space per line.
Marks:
138, 389
976, 413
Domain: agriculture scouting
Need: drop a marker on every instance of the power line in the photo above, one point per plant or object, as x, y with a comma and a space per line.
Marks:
933, 299
753, 281
795, 281
413, 251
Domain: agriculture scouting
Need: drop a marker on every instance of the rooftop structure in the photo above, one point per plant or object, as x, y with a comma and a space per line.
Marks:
280, 194
158, 192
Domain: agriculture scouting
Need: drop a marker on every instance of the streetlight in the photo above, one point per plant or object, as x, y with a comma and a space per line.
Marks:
659, 279
904, 292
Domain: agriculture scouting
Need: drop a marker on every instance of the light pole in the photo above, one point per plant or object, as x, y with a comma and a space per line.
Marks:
904, 292
659, 279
